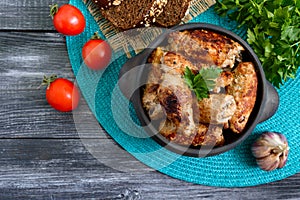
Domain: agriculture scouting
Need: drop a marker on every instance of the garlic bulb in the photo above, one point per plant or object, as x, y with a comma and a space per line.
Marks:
271, 151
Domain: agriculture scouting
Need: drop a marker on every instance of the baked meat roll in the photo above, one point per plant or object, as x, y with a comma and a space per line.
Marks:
204, 134
217, 109
244, 90
177, 100
172, 97
206, 48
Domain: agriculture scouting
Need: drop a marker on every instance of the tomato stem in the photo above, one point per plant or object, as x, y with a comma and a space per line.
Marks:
53, 10
48, 80
96, 36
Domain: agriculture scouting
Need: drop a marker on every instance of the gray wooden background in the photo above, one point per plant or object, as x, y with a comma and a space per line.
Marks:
41, 153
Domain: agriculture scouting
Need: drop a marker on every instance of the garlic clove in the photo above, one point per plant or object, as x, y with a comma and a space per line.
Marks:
271, 151
283, 160
261, 151
268, 163
274, 139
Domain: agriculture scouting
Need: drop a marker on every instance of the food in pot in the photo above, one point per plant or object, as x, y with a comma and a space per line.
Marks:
204, 134
217, 109
206, 48
185, 118
243, 88
172, 94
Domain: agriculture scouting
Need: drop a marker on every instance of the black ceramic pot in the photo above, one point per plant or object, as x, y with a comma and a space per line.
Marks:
133, 77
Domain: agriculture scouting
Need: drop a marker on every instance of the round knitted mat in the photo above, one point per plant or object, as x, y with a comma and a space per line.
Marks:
235, 168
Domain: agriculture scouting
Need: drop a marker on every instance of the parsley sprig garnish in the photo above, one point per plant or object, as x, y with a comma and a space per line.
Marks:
203, 82
273, 33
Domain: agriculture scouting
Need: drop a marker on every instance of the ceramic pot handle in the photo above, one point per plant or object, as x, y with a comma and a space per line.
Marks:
129, 74
271, 104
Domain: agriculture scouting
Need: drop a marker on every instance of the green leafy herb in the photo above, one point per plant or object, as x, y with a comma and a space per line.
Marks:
203, 82
273, 33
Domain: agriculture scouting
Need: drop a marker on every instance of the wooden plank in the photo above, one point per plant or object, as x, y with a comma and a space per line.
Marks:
60, 165
63, 169
26, 15
25, 112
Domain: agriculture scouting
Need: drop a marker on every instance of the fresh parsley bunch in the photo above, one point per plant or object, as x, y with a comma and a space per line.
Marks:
273, 33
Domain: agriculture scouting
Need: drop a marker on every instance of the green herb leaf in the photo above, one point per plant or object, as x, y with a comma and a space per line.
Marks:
203, 82
273, 33
189, 77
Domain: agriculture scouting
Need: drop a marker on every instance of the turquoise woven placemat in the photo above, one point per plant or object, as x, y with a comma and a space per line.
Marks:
235, 168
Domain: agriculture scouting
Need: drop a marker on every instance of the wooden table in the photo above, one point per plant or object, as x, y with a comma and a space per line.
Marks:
41, 153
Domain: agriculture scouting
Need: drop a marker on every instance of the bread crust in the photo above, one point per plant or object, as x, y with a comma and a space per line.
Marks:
126, 15
173, 13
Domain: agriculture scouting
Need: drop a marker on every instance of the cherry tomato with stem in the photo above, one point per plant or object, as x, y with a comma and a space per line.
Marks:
61, 93
96, 53
67, 19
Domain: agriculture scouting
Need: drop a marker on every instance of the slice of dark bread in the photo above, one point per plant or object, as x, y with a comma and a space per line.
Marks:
124, 14
173, 13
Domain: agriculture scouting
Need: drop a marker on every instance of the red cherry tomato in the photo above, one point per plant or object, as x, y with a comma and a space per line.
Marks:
67, 19
96, 53
62, 94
